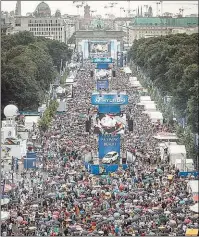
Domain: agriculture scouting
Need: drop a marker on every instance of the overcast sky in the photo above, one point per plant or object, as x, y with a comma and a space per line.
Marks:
67, 7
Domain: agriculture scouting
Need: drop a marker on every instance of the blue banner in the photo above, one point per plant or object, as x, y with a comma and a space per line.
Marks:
102, 60
102, 66
120, 59
102, 84
109, 99
111, 109
107, 144
187, 173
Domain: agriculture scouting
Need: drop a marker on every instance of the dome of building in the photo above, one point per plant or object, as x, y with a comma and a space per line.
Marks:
42, 10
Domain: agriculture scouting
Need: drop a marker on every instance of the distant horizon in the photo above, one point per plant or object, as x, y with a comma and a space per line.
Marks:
98, 7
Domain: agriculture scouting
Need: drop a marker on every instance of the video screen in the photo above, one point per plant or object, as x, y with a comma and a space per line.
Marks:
98, 47
109, 124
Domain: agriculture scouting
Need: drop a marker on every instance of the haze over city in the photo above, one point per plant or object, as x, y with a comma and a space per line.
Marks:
68, 7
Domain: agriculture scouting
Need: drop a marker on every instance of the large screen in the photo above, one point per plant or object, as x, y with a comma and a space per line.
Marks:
95, 47
109, 124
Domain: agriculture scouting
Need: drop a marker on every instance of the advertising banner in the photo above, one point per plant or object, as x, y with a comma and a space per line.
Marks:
102, 60
109, 124
120, 58
107, 144
102, 84
110, 109
102, 66
109, 99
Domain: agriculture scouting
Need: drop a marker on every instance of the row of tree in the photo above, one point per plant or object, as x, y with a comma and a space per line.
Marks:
48, 115
171, 64
28, 65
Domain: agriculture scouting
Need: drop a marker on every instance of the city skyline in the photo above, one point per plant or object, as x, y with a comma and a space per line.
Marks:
68, 7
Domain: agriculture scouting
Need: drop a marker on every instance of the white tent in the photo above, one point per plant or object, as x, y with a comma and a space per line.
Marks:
147, 102
5, 201
145, 98
136, 84
155, 116
127, 70
5, 215
59, 90
150, 107
195, 208
166, 137
177, 152
193, 186
69, 81
189, 165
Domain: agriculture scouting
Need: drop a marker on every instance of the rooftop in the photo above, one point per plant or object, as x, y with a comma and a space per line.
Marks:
165, 21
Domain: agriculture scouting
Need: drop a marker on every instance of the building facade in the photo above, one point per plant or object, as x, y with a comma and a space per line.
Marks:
42, 23
145, 27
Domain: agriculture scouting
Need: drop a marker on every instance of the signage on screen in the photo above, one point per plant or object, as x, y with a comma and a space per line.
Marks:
102, 84
102, 60
108, 99
108, 143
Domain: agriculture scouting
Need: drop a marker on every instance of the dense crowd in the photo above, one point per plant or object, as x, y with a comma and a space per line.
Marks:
62, 198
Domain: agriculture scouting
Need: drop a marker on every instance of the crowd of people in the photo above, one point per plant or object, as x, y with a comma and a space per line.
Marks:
61, 198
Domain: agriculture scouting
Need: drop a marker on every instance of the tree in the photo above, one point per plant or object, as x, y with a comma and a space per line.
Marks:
28, 66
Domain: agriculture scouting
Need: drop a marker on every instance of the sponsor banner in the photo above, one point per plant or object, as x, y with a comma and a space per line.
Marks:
188, 173
108, 143
102, 60
109, 124
120, 59
102, 84
102, 65
111, 109
109, 99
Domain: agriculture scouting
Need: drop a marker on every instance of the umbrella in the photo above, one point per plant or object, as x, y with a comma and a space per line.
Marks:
32, 228
19, 219
116, 214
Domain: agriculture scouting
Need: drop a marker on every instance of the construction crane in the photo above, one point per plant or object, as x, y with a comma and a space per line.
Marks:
160, 3
181, 10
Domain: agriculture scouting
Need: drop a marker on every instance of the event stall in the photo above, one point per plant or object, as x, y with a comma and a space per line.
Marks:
150, 107
127, 70
177, 153
156, 116
145, 98
163, 136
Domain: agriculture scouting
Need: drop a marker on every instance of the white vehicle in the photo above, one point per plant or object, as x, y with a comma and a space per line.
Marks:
110, 157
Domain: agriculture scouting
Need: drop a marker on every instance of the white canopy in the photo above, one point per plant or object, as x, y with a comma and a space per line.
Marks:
177, 149
136, 84
145, 98
59, 90
71, 76
193, 184
155, 116
166, 136
127, 70
5, 215
69, 81
5, 201
146, 102
150, 107
195, 208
